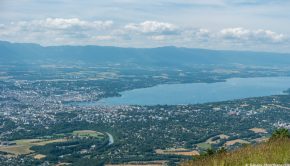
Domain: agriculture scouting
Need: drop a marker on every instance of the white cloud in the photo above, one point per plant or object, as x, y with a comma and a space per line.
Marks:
55, 31
152, 27
203, 34
75, 22
235, 33
63, 24
260, 35
269, 36
61, 31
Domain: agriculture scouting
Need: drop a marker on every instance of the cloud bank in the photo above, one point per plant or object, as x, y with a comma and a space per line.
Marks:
75, 31
258, 36
152, 27
217, 24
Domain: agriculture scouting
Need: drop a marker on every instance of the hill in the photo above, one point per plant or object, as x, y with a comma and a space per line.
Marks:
272, 152
26, 53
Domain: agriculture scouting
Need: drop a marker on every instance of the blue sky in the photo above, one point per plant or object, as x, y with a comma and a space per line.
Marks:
258, 25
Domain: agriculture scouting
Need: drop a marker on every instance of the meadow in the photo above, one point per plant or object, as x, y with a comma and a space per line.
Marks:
271, 152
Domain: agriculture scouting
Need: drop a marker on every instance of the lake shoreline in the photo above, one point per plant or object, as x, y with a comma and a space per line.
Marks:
198, 93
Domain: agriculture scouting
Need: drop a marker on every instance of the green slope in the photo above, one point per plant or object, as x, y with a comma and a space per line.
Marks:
275, 151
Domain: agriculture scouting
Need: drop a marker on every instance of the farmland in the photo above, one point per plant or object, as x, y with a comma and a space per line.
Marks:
180, 151
23, 146
88, 133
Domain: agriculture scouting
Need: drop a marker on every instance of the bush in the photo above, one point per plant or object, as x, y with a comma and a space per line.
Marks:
280, 133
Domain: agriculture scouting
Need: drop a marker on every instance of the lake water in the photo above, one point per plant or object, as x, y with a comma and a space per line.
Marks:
193, 93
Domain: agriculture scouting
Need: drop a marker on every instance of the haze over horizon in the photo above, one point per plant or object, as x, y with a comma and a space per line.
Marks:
254, 25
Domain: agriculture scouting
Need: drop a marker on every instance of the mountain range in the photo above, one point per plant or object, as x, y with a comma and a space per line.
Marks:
26, 53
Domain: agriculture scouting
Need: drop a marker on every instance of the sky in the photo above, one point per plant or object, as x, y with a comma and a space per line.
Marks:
256, 25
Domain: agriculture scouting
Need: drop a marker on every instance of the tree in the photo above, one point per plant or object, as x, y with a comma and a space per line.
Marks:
210, 152
222, 150
280, 133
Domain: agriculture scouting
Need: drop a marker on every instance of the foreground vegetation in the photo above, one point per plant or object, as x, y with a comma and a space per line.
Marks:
275, 151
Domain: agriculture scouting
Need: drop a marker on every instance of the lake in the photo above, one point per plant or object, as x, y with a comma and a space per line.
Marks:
193, 93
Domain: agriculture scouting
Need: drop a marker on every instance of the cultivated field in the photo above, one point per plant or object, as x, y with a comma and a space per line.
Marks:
258, 130
221, 136
140, 163
87, 133
204, 145
23, 146
179, 151
232, 142
39, 156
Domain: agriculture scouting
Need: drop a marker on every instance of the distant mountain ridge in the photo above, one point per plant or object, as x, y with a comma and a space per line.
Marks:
162, 56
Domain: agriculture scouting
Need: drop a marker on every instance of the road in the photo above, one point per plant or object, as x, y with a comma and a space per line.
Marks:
111, 138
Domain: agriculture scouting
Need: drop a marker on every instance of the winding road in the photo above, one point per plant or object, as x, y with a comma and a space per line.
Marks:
111, 138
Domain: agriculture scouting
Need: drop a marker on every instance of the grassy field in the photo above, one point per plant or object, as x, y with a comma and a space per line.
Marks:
272, 152
39, 156
23, 146
258, 130
204, 146
179, 151
141, 163
88, 133
221, 136
232, 142
16, 150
